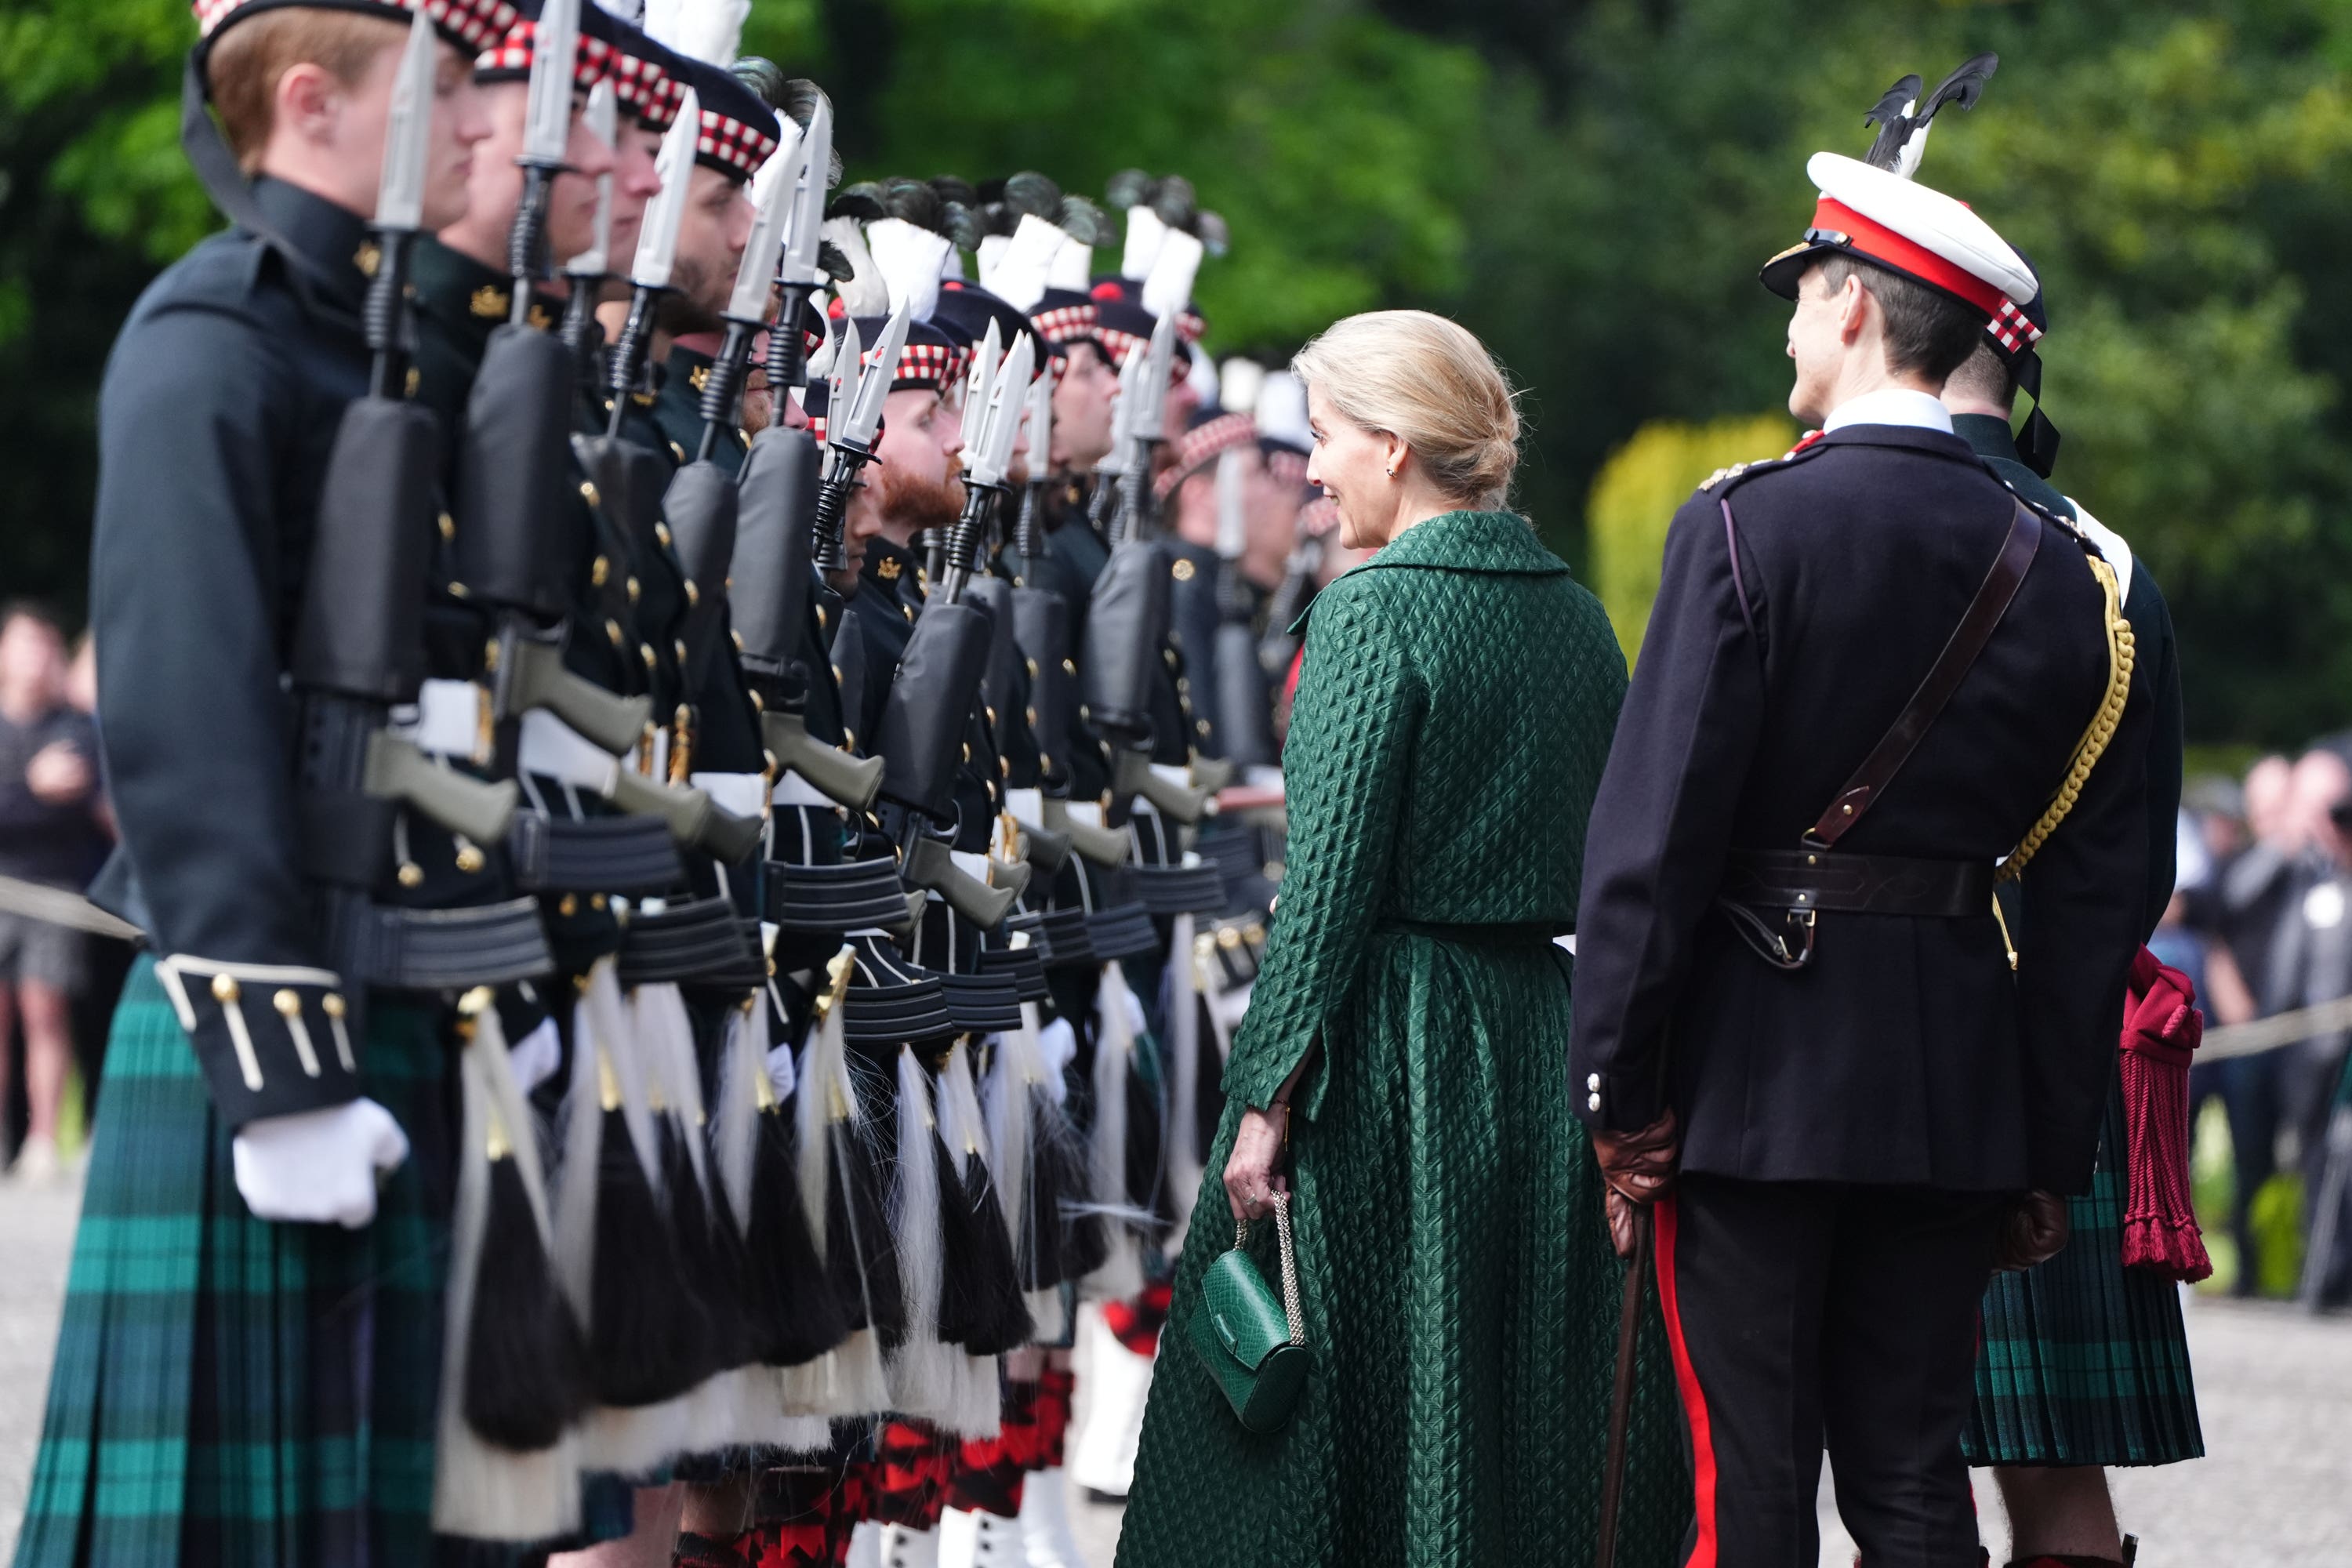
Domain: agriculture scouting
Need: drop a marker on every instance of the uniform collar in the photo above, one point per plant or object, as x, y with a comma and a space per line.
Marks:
1471, 541
469, 299
890, 564
330, 243
1990, 438
1898, 406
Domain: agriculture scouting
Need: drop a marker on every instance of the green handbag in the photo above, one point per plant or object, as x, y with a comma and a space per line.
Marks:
1254, 1342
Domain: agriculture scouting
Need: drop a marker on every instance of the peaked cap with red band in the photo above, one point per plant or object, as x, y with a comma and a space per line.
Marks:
1879, 216
1211, 437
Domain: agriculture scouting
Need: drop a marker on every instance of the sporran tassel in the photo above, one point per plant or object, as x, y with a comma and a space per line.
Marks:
1121, 1275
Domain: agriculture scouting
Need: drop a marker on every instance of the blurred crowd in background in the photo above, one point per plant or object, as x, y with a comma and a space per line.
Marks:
2262, 920
57, 983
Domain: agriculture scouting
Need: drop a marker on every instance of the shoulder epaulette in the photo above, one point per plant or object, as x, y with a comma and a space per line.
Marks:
1728, 480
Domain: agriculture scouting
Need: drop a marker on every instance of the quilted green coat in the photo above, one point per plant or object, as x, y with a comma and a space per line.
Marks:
1461, 1296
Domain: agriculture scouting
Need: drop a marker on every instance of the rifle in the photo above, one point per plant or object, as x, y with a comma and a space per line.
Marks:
939, 683
358, 642
1244, 711
1041, 623
853, 421
1128, 615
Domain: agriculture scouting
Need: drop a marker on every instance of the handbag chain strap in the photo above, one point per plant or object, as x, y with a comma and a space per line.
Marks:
1290, 1307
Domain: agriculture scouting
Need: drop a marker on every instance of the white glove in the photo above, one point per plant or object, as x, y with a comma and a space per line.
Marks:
534, 1058
317, 1167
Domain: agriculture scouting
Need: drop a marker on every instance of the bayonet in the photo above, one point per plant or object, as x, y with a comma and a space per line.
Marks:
657, 252
588, 269
755, 286
797, 275
852, 418
547, 132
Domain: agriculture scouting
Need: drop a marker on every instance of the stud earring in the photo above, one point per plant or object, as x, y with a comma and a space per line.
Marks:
1393, 473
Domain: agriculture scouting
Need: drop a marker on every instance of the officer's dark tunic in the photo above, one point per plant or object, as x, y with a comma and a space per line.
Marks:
2082, 1361
226, 1390
1850, 1131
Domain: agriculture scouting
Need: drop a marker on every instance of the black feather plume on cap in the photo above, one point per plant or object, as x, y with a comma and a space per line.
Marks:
1129, 189
1902, 113
795, 97
955, 190
832, 263
862, 201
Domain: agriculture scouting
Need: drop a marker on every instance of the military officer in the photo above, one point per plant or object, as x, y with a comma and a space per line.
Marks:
1872, 673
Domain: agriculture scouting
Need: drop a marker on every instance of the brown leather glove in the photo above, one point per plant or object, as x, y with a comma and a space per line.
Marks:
2033, 1233
1639, 1168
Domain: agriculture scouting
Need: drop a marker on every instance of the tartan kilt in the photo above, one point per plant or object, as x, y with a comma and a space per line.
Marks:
2083, 1360
230, 1391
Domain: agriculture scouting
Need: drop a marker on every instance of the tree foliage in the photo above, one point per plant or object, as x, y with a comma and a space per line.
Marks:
1635, 496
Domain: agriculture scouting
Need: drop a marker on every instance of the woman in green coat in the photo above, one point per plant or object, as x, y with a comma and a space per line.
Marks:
1404, 1066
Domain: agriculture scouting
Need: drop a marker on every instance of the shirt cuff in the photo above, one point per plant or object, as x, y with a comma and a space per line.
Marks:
272, 1039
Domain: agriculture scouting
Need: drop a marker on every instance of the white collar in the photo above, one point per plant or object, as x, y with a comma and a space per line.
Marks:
1891, 405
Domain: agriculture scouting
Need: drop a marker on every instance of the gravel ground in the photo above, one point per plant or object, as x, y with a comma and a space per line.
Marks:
2275, 1387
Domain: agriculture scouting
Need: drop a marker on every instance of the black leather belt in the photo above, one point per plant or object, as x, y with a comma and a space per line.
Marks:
1772, 895
701, 941
454, 950
632, 856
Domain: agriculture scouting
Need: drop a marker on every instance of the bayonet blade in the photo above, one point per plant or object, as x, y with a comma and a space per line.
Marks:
807, 215
400, 194
603, 122
555, 48
1040, 426
771, 194
1159, 358
841, 384
1232, 521
657, 246
1005, 409
1122, 413
874, 386
976, 391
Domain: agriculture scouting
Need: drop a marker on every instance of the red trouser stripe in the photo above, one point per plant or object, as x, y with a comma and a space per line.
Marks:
1702, 1435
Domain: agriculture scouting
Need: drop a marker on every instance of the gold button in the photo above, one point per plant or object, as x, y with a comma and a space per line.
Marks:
1169, 655
613, 630
633, 590
332, 1004
821, 622
597, 901
568, 906
1229, 938
967, 750
1069, 666
661, 532
470, 860
693, 593
990, 712
1031, 714
1033, 668
225, 989
836, 674
456, 590
287, 1003
411, 874
448, 526
588, 492
599, 570
679, 452
908, 611
1181, 571
677, 645
1005, 767
653, 659
1847, 809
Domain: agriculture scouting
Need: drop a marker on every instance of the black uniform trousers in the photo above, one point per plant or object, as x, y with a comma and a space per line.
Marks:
1799, 1312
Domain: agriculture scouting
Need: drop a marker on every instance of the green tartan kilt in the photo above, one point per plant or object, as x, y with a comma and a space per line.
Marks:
230, 1391
2084, 1361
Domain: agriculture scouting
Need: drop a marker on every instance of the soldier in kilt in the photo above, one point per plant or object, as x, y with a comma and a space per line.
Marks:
252, 1329
2084, 1363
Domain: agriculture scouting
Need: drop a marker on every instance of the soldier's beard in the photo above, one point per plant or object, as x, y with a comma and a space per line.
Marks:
910, 501
691, 308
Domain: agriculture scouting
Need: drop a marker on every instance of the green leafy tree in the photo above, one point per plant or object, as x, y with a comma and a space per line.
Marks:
1635, 496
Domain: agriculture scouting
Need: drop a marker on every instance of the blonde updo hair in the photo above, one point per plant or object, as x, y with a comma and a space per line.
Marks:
1432, 382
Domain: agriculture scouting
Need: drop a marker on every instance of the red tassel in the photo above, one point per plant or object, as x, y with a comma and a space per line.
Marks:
2162, 1029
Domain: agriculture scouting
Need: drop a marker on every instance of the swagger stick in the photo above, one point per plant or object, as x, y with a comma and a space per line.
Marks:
1621, 1397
